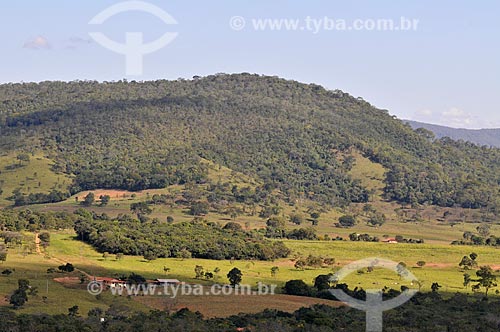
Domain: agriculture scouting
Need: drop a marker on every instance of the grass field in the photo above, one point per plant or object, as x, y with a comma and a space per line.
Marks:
441, 266
441, 258
33, 176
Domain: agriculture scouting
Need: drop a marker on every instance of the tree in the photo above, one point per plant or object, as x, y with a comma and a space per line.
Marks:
166, 270
23, 157
184, 254
322, 282
198, 208
105, 255
467, 279
275, 227
89, 199
44, 237
376, 219
300, 264
435, 287
140, 208
329, 261
66, 268
3, 256
468, 262
73, 311
234, 276
483, 230
274, 271
119, 256
233, 226
486, 278
20, 295
7, 272
347, 221
18, 298
368, 209
134, 278
297, 287
315, 215
104, 199
296, 218
401, 269
198, 270
150, 255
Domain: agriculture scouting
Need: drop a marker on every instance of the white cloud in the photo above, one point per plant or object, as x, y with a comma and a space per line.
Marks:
455, 117
38, 43
452, 117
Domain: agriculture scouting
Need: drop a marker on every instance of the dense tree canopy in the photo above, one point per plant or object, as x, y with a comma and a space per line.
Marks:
199, 238
290, 136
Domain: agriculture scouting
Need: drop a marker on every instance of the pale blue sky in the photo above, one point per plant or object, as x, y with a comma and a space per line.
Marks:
447, 72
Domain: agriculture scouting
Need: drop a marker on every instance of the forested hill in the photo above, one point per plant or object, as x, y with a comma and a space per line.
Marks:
289, 136
489, 137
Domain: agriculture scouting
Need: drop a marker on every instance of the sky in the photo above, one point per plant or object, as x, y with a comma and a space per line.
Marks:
442, 68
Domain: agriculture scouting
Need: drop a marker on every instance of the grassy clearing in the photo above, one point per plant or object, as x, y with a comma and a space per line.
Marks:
370, 174
53, 297
441, 267
33, 176
442, 263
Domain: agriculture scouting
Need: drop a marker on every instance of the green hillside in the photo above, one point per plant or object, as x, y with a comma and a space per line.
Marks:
289, 137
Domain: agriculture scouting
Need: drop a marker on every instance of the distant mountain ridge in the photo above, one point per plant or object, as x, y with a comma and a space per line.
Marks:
490, 137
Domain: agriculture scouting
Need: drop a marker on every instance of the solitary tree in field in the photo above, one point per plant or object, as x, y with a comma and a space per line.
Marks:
274, 271
468, 262
20, 295
467, 280
235, 276
486, 279
73, 311
435, 287
104, 199
89, 199
198, 270
184, 254
150, 256
401, 269
300, 264
347, 221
